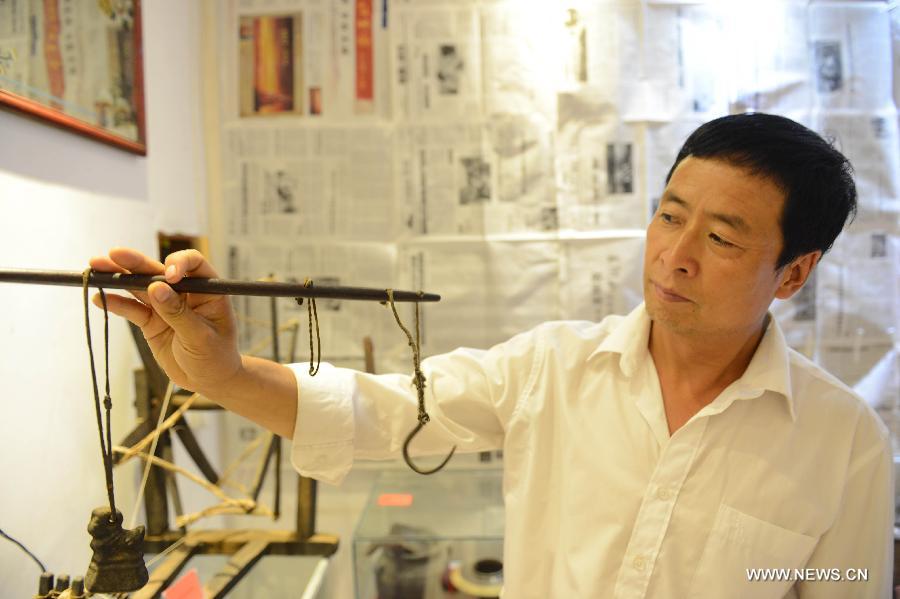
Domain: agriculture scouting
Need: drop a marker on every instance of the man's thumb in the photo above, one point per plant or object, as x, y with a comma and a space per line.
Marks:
171, 307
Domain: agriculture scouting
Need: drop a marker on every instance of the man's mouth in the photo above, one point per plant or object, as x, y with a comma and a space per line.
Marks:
668, 295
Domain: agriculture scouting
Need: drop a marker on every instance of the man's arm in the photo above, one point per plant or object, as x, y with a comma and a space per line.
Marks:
262, 391
862, 536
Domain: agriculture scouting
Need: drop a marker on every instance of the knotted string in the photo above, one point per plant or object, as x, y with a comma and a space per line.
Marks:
418, 377
105, 445
419, 382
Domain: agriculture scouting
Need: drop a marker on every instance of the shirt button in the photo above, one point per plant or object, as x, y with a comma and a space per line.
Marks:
664, 493
639, 563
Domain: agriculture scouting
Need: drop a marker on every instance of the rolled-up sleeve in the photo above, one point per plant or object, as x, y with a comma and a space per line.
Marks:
470, 394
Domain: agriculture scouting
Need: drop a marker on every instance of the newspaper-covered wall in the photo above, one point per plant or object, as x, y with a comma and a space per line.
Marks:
508, 155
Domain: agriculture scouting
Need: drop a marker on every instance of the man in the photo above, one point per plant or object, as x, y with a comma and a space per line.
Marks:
661, 454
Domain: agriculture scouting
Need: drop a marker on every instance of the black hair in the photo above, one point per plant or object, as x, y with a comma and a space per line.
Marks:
817, 180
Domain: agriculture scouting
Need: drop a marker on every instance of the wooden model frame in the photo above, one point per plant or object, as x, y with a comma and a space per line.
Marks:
246, 546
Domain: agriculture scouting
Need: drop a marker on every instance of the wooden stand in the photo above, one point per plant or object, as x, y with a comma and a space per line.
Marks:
244, 546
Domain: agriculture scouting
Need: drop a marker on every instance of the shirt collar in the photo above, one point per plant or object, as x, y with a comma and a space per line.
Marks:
769, 369
629, 339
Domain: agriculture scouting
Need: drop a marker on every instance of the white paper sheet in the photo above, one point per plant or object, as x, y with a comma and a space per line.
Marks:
851, 55
436, 57
524, 285
312, 181
598, 166
601, 276
858, 307
872, 144
766, 55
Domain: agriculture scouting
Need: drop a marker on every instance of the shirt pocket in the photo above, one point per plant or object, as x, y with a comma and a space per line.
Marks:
738, 542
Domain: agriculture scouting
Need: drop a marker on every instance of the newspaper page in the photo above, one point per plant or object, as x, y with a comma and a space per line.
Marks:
305, 58
598, 166
871, 141
601, 275
613, 50
436, 72
528, 52
851, 55
290, 180
686, 78
520, 148
446, 178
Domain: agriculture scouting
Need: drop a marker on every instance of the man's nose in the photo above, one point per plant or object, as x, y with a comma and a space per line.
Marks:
681, 255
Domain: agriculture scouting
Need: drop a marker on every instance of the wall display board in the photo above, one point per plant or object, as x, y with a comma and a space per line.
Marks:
509, 155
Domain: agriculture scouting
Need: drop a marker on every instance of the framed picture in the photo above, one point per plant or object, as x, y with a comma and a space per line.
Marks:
76, 64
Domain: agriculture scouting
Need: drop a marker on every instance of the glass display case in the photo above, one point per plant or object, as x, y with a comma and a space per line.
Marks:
298, 576
431, 537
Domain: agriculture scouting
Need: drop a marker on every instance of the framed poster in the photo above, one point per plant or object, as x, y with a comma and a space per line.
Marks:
76, 64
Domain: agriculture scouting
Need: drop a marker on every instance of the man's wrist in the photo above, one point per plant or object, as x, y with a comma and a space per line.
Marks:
262, 391
220, 390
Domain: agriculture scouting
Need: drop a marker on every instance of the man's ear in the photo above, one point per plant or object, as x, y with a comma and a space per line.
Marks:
794, 275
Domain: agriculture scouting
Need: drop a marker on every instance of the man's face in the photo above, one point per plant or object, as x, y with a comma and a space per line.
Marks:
712, 245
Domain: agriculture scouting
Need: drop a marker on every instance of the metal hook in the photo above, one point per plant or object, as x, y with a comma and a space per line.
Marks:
409, 461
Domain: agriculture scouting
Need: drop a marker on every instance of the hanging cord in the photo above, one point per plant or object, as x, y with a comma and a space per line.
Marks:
25, 549
419, 382
314, 356
105, 446
156, 433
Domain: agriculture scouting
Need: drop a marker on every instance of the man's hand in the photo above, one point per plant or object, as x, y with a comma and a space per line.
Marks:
193, 336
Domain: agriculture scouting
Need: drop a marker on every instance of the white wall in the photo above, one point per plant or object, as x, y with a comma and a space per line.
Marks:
64, 198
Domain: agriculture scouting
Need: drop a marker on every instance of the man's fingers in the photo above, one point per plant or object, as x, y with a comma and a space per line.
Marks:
135, 262
132, 310
188, 263
105, 264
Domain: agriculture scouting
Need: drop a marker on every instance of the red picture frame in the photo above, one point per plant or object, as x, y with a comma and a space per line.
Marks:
54, 112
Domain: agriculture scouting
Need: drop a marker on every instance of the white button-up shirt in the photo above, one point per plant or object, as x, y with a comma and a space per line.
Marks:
785, 469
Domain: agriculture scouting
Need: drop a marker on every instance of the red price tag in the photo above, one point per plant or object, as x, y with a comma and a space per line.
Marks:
186, 587
395, 500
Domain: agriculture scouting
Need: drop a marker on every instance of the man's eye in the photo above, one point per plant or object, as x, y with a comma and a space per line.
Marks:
666, 218
719, 241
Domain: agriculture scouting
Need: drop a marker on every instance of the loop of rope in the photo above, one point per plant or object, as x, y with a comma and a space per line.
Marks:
419, 382
105, 445
314, 356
